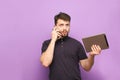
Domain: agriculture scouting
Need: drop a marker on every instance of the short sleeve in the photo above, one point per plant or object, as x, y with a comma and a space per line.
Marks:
44, 46
81, 52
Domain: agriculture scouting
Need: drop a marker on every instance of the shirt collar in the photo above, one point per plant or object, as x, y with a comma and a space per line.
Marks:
63, 39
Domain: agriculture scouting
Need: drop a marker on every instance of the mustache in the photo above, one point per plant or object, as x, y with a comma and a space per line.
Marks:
63, 32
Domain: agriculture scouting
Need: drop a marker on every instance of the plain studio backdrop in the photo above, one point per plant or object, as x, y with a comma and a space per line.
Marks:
25, 24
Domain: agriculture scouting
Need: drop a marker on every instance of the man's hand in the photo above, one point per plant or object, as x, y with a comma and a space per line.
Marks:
88, 63
55, 33
95, 50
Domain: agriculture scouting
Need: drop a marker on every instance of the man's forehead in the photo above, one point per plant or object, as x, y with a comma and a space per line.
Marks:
62, 21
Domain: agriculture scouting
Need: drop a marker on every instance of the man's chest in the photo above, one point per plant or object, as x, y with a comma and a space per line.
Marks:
65, 49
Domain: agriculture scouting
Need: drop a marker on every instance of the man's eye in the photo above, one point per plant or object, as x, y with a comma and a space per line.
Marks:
61, 25
67, 25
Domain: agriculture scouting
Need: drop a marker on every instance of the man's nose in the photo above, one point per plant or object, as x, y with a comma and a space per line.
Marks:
64, 27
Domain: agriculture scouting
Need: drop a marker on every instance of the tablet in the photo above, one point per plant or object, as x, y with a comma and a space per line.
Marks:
99, 39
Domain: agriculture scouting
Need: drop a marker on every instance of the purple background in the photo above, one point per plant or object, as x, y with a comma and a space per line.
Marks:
25, 24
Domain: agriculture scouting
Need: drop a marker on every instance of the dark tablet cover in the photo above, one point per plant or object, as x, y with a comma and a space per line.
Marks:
100, 40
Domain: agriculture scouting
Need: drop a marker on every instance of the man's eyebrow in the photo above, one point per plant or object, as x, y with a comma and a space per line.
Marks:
67, 24
61, 24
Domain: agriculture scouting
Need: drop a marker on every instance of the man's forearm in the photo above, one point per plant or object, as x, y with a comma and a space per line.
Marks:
47, 56
91, 59
87, 63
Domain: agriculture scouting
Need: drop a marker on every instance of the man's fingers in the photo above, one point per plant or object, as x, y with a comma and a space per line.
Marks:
96, 48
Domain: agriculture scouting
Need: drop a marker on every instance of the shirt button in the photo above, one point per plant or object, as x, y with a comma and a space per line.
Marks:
62, 46
61, 42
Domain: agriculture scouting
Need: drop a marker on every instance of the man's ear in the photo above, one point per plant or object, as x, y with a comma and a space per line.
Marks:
55, 25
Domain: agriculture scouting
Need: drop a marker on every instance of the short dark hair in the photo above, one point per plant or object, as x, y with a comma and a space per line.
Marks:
62, 16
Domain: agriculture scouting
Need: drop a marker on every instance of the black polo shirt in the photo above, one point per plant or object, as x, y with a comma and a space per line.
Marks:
65, 64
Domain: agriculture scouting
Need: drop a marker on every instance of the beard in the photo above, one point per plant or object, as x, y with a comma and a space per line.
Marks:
64, 33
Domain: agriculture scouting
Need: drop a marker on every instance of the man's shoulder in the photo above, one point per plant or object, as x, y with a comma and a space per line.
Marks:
47, 41
75, 40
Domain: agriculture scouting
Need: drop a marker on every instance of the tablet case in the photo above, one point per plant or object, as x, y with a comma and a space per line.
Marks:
100, 40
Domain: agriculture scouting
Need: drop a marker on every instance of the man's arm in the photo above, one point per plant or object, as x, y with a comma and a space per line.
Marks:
47, 56
88, 63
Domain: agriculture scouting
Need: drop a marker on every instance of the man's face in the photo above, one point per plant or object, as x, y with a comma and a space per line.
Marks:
64, 27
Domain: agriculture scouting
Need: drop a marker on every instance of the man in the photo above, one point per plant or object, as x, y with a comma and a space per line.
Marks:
63, 54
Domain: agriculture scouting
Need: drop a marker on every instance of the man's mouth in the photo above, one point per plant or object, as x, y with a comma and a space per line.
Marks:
64, 33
